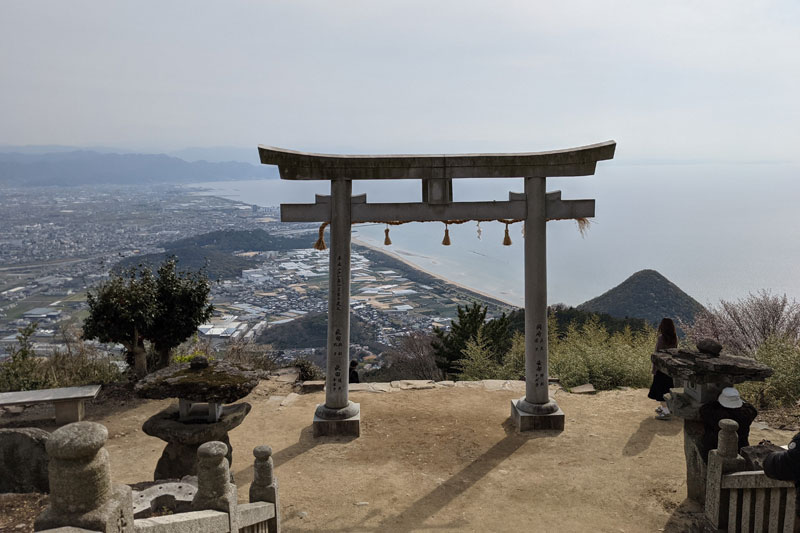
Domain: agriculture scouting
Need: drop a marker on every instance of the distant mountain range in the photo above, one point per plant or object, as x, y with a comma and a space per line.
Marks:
67, 168
648, 295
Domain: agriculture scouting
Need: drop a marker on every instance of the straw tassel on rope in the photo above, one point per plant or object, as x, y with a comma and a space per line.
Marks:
507, 238
320, 244
446, 240
387, 241
583, 225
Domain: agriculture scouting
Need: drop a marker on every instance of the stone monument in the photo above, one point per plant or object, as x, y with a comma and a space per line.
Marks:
202, 388
338, 415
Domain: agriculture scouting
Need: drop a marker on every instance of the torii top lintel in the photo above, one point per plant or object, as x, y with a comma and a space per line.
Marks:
295, 165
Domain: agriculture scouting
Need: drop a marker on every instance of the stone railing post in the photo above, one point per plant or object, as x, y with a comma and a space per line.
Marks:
265, 486
81, 492
724, 460
214, 490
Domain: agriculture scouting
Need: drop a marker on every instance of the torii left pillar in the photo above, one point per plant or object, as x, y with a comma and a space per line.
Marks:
338, 415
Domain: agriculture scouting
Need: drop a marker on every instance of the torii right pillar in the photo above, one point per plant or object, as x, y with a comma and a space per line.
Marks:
536, 410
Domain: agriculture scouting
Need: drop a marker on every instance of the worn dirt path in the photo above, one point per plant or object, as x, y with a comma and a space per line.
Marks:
448, 460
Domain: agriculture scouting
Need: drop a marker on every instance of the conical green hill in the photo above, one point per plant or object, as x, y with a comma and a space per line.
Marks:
648, 295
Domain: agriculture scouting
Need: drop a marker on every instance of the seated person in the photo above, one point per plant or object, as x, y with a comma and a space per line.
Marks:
785, 465
728, 405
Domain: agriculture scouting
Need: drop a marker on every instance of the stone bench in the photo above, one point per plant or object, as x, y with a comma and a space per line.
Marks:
68, 401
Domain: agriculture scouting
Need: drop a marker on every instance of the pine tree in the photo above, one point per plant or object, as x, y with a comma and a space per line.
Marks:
477, 361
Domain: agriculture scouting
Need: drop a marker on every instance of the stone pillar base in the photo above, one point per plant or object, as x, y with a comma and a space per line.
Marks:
114, 516
346, 427
528, 422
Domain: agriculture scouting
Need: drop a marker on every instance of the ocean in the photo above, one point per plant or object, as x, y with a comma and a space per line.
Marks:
717, 231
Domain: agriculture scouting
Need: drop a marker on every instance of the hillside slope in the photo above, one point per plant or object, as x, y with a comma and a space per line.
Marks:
648, 295
90, 168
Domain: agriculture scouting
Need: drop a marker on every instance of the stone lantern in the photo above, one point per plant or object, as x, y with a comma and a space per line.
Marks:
202, 388
699, 378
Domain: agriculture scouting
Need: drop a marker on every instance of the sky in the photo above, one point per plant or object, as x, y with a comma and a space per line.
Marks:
701, 98
712, 80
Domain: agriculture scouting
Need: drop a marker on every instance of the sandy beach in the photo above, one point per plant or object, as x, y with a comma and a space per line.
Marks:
411, 265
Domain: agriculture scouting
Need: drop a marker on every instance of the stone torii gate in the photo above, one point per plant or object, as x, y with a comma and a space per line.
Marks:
536, 410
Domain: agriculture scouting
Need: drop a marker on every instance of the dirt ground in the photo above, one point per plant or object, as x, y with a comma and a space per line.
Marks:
443, 459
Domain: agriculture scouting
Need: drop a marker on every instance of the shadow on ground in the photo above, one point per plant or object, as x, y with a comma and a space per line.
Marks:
686, 518
649, 428
305, 442
415, 514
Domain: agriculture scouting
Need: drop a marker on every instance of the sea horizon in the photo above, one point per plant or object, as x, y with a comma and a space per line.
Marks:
700, 234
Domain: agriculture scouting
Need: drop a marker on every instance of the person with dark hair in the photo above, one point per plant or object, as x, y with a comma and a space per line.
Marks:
354, 372
727, 405
667, 338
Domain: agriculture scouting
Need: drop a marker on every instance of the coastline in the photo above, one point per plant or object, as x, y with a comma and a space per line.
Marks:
398, 257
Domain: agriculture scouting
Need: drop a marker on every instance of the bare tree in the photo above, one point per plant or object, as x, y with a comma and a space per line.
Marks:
412, 356
744, 325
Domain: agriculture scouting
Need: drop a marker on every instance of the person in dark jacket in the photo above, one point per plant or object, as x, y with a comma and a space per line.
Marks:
728, 405
667, 338
354, 372
785, 465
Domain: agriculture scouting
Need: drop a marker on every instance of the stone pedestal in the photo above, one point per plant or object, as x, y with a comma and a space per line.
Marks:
265, 487
348, 424
214, 489
695, 466
183, 439
81, 492
533, 422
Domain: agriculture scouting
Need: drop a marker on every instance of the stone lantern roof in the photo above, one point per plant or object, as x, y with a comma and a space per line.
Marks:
706, 368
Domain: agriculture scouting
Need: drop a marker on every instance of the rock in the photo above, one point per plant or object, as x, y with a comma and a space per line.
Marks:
470, 384
198, 362
498, 384
446, 383
362, 504
414, 384
312, 386
275, 400
302, 514
219, 382
754, 456
288, 375
709, 346
358, 387
380, 387
290, 399
24, 460
587, 388
15, 409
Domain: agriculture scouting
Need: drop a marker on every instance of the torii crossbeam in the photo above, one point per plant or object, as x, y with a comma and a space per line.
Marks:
338, 415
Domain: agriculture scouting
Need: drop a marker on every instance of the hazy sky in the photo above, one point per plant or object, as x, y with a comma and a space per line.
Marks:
711, 80
701, 97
